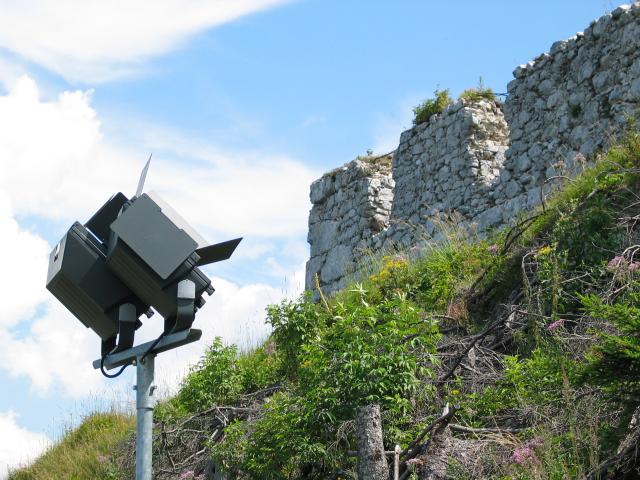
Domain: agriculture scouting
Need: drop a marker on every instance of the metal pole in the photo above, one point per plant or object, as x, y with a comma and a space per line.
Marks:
396, 462
144, 406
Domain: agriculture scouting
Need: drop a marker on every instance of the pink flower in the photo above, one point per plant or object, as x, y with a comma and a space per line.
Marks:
522, 455
535, 442
555, 325
188, 475
525, 453
415, 461
634, 266
492, 249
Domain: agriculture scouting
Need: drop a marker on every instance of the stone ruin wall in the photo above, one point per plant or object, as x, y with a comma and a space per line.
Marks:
446, 165
481, 163
351, 205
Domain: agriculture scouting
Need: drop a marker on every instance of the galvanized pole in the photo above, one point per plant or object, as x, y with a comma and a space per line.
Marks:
396, 462
144, 405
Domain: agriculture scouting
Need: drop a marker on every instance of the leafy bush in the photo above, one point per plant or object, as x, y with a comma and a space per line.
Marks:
278, 445
220, 377
432, 106
362, 359
294, 324
614, 362
215, 379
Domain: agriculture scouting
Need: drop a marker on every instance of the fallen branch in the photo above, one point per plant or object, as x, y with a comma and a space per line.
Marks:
410, 451
486, 430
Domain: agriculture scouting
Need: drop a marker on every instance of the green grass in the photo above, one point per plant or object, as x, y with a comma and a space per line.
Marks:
475, 94
87, 452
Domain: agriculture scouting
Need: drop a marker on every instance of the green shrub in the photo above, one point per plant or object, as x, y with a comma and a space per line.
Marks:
432, 106
478, 93
215, 379
614, 362
294, 324
362, 358
278, 445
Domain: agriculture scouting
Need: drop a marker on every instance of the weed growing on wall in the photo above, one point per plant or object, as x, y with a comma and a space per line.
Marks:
432, 106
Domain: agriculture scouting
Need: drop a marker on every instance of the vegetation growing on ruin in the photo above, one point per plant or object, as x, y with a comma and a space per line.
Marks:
432, 106
478, 93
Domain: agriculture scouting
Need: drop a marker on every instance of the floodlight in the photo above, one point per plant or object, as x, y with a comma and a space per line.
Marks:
133, 254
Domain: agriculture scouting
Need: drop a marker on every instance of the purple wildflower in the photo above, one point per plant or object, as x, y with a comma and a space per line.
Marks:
187, 475
522, 455
525, 453
555, 325
492, 249
634, 266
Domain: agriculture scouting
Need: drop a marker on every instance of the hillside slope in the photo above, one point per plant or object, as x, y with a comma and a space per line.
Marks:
530, 339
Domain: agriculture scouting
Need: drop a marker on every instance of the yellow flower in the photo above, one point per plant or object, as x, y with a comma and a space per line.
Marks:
546, 250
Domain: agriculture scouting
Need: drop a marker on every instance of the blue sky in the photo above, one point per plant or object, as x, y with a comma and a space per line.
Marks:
243, 103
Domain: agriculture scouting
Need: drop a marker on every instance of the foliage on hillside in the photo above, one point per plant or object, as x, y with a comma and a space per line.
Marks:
554, 302
534, 334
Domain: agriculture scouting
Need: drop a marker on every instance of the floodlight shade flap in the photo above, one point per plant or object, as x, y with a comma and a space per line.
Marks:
143, 177
100, 222
217, 252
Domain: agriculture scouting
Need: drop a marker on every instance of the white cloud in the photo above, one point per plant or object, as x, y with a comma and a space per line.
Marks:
23, 256
55, 163
95, 41
57, 351
9, 72
17, 444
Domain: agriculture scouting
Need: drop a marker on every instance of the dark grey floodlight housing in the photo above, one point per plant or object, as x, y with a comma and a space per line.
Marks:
80, 279
133, 254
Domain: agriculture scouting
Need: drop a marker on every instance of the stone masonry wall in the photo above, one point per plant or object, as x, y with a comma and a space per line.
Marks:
474, 164
444, 166
350, 206
566, 105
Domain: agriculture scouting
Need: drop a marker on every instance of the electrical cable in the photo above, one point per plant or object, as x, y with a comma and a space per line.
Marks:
114, 375
153, 345
109, 375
